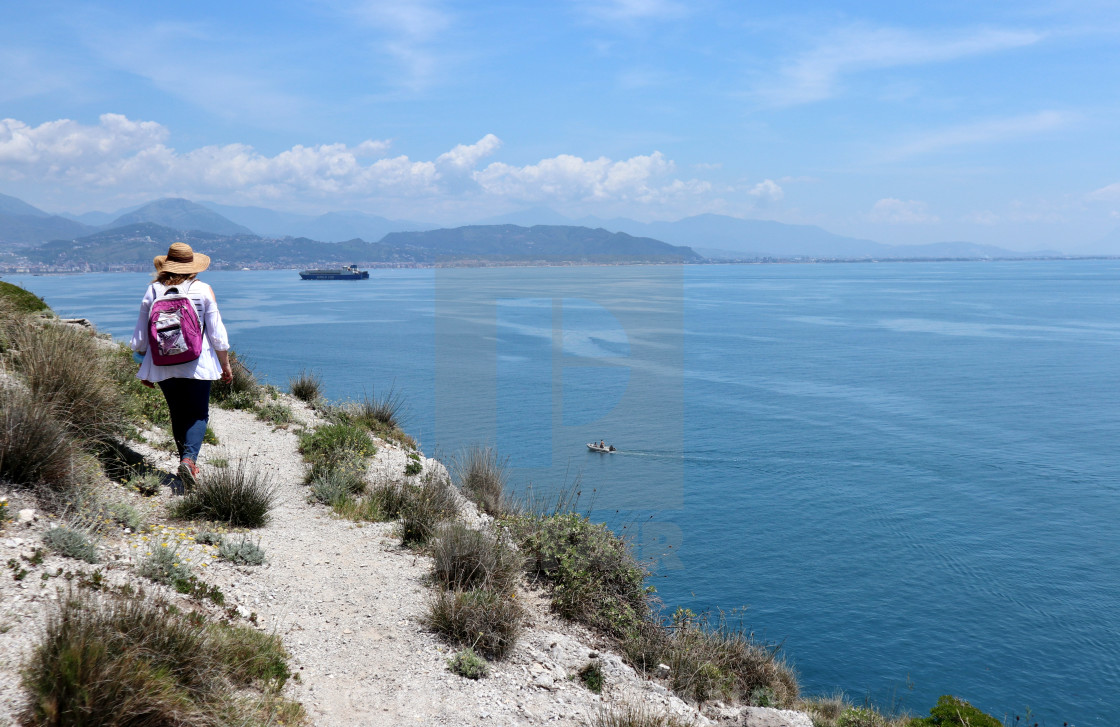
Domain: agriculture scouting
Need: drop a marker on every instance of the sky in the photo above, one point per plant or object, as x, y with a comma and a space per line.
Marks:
992, 122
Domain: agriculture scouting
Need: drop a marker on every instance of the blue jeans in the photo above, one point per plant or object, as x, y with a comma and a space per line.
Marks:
188, 401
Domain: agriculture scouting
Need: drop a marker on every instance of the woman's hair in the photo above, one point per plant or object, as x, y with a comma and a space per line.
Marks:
167, 278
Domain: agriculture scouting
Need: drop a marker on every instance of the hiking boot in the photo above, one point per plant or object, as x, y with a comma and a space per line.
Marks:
188, 474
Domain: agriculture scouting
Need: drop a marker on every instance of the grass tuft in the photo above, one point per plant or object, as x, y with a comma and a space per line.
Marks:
713, 660
239, 496
36, 450
428, 504
485, 621
482, 477
464, 558
104, 660
65, 368
241, 552
72, 543
468, 664
628, 715
306, 386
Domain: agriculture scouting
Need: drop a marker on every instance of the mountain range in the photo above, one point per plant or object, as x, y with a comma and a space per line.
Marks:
712, 236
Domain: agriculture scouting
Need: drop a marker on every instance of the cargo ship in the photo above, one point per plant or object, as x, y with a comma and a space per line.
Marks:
350, 272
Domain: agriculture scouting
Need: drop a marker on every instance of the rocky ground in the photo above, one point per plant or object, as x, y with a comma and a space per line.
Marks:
347, 600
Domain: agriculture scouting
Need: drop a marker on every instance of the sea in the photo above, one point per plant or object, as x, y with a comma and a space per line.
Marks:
904, 476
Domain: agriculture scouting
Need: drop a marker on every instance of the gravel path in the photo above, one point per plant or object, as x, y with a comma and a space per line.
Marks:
348, 601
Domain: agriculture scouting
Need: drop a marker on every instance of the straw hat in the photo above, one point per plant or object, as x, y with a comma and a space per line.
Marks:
180, 258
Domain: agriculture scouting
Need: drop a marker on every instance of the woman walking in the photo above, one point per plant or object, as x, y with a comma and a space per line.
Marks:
183, 361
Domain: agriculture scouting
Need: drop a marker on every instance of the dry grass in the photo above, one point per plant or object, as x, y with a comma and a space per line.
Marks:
464, 558
629, 715
713, 660
134, 661
482, 476
65, 368
486, 621
36, 448
428, 505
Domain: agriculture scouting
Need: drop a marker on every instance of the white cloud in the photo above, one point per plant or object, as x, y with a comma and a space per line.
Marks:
767, 190
1110, 193
981, 132
569, 178
817, 74
899, 212
133, 160
466, 156
411, 31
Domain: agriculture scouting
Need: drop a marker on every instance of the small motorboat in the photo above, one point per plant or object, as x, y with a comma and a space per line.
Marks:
608, 448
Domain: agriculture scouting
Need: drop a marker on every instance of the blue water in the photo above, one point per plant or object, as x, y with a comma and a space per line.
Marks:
906, 473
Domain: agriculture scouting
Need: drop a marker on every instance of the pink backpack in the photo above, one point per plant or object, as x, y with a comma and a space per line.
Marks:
174, 331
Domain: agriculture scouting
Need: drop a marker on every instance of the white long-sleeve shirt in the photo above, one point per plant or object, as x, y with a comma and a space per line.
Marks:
214, 338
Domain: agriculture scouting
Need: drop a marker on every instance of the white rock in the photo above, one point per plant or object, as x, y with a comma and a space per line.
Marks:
26, 516
767, 717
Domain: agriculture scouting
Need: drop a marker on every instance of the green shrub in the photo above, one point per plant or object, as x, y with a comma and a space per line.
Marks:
241, 552
241, 392
379, 415
464, 558
468, 664
427, 505
275, 413
19, 300
591, 675
146, 482
334, 443
35, 447
486, 621
482, 477
72, 543
239, 496
332, 490
414, 466
133, 661
164, 564
591, 573
306, 386
953, 712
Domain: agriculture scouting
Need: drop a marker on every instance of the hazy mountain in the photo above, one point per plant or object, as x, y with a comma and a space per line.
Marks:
338, 226
137, 244
181, 214
15, 206
97, 218
329, 227
540, 242
261, 220
22, 224
537, 216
